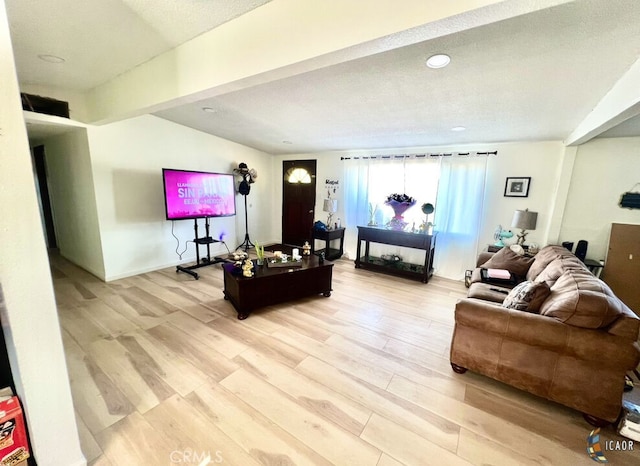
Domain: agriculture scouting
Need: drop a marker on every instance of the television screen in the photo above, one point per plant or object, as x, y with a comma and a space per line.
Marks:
191, 194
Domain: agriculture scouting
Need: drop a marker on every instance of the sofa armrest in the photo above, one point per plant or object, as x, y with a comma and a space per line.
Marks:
548, 333
483, 257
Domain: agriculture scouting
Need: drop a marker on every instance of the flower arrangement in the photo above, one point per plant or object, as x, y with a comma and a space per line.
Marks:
399, 203
403, 198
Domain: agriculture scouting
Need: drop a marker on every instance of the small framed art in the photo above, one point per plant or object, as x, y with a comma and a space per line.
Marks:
517, 186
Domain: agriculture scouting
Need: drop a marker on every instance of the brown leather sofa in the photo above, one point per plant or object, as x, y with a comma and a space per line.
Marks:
573, 345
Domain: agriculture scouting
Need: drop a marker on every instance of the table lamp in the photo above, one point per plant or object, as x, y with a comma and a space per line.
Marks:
525, 220
331, 207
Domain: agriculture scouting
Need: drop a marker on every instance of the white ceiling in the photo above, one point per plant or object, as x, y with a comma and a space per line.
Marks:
532, 77
101, 39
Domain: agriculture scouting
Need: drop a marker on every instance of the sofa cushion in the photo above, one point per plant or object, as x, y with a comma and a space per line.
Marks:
527, 296
487, 292
580, 299
557, 267
545, 256
505, 258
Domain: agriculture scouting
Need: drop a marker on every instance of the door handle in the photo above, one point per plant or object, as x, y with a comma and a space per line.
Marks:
311, 211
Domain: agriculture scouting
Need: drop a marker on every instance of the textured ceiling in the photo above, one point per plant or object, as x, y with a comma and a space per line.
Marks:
533, 77
530, 77
100, 39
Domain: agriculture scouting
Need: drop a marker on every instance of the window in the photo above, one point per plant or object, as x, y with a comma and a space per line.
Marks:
454, 185
297, 175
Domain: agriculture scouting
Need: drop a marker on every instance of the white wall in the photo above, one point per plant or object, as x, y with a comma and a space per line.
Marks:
29, 317
127, 159
73, 200
604, 169
542, 161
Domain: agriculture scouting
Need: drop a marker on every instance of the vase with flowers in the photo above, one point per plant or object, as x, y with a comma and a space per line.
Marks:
399, 203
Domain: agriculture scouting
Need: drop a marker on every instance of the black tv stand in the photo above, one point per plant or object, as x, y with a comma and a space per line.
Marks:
206, 260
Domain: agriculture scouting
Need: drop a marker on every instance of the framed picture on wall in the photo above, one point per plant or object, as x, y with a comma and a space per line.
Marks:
517, 186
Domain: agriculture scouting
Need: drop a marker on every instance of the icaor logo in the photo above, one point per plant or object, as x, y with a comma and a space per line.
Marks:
594, 449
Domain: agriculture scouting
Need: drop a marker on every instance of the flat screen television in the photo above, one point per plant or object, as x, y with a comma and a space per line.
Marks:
194, 194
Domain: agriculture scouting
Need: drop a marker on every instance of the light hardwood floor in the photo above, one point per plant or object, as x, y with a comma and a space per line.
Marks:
163, 373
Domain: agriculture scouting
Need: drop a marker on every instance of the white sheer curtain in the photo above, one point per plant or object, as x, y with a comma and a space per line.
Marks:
454, 184
459, 210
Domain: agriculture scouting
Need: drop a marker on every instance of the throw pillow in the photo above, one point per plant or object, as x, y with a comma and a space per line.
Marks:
527, 296
505, 258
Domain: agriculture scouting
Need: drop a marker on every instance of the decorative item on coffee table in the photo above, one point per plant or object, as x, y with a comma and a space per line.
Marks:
399, 203
284, 261
259, 254
247, 268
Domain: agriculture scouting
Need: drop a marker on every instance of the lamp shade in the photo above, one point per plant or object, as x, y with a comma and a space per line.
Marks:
330, 205
524, 219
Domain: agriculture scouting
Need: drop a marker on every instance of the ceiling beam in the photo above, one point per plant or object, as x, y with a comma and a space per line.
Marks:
284, 38
619, 104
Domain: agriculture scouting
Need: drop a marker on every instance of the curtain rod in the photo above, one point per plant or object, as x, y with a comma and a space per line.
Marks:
422, 156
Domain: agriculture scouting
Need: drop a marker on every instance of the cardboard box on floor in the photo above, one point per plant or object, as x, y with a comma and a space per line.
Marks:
14, 447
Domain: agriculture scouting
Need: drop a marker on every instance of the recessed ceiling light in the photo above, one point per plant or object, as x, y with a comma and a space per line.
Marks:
287, 142
458, 128
209, 110
438, 61
51, 58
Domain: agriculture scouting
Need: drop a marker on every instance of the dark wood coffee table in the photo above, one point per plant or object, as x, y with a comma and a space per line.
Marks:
276, 285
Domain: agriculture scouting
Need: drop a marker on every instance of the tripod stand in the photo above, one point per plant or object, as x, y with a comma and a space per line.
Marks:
246, 244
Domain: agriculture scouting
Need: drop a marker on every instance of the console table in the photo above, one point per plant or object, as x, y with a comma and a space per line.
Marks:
421, 272
327, 236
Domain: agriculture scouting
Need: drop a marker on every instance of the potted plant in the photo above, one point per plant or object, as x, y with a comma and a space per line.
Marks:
260, 254
427, 226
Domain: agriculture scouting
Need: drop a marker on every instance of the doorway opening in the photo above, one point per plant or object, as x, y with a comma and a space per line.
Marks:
46, 212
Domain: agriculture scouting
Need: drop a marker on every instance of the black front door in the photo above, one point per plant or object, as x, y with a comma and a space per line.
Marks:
298, 200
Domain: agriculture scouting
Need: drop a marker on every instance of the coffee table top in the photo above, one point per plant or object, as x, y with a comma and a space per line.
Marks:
307, 262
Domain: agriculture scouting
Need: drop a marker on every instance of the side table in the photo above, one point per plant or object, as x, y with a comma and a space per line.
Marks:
494, 248
337, 234
595, 267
